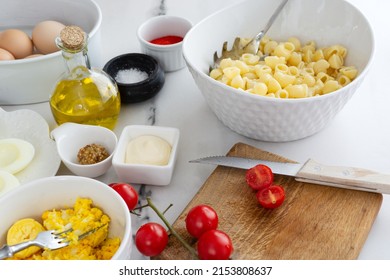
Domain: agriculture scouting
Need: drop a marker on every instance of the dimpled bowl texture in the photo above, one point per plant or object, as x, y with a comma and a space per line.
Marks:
141, 90
32, 80
270, 119
33, 198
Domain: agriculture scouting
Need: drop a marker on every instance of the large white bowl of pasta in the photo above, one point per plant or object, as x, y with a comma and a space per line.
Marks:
318, 53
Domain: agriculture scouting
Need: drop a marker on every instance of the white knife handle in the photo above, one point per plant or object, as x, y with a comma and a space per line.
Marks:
344, 177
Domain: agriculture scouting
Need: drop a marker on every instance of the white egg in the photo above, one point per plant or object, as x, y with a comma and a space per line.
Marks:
15, 154
7, 181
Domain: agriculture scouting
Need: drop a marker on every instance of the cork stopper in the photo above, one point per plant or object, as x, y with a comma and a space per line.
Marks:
72, 37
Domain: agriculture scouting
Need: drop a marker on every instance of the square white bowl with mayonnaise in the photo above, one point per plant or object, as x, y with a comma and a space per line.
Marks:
146, 154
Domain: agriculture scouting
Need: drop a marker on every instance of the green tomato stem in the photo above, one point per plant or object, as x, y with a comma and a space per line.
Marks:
171, 229
165, 211
138, 208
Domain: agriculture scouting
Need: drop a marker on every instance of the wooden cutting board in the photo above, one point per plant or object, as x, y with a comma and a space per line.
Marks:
314, 222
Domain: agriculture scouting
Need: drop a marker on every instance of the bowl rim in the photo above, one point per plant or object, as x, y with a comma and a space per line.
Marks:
232, 90
57, 53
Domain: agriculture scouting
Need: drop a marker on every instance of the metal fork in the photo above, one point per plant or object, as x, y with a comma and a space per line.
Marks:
251, 47
49, 239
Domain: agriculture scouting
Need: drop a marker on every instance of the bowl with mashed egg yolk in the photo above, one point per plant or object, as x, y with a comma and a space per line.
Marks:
62, 202
146, 154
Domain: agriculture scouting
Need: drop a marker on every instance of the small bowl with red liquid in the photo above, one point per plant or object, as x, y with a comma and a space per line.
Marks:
162, 37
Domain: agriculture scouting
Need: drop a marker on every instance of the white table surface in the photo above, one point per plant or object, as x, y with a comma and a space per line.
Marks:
358, 136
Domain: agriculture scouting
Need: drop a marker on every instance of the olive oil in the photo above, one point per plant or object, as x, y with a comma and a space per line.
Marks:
81, 101
83, 95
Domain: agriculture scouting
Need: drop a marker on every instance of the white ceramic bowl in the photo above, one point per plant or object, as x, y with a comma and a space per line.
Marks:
32, 80
270, 119
32, 199
158, 175
169, 56
71, 137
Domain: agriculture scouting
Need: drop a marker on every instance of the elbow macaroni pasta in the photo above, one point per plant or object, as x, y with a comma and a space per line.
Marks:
289, 70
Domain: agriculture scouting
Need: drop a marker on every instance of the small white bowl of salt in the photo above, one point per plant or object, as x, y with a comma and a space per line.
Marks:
138, 76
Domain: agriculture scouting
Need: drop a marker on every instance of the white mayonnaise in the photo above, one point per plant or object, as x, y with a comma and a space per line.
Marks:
148, 149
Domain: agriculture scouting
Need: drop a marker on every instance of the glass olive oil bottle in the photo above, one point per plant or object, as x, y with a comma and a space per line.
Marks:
83, 95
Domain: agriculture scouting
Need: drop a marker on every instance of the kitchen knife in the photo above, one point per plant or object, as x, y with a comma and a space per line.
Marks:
313, 172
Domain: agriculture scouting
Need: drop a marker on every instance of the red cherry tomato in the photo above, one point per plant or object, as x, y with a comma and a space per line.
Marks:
127, 192
200, 219
214, 245
151, 239
259, 177
271, 197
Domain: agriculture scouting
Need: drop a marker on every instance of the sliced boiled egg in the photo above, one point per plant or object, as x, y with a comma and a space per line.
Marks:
24, 230
7, 181
15, 154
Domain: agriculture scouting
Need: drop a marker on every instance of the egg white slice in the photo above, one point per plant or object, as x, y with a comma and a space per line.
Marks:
15, 154
7, 181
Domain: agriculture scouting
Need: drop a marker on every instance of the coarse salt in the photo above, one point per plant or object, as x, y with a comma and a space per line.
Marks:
131, 76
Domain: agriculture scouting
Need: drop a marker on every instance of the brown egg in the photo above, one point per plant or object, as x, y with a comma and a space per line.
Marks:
6, 55
16, 42
44, 35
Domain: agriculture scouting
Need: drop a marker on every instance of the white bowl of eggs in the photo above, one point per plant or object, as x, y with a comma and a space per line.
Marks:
331, 31
30, 62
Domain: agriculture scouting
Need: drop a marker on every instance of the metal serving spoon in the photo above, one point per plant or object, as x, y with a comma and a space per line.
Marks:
252, 46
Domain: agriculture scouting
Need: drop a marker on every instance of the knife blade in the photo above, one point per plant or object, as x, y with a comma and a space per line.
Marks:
313, 172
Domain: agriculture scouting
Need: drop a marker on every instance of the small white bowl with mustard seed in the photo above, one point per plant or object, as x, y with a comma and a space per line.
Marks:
86, 150
146, 154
